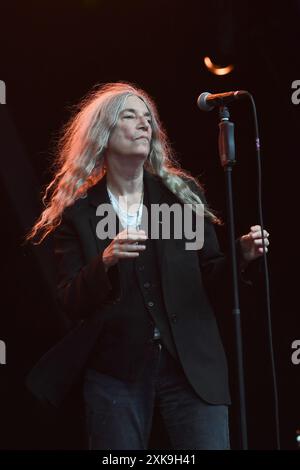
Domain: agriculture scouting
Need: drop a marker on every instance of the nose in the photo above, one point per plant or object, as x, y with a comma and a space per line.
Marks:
143, 123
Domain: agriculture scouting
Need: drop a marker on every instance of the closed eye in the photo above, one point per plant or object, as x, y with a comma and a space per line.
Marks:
133, 115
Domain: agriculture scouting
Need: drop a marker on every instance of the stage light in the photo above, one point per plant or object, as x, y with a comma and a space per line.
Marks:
217, 69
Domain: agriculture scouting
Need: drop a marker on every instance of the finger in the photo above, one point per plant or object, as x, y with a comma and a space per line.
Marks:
126, 254
130, 248
255, 228
125, 237
136, 238
259, 242
257, 234
261, 250
133, 231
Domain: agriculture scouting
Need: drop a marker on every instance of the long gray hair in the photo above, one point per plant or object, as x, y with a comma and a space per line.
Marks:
81, 149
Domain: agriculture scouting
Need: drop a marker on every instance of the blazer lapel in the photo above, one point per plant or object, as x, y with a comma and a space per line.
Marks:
98, 195
156, 193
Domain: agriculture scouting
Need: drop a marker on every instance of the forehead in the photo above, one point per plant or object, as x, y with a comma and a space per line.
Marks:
134, 102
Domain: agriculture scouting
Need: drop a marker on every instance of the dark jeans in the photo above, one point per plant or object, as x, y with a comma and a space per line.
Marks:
119, 414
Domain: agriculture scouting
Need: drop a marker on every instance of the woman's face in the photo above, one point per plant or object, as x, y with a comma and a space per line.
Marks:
132, 134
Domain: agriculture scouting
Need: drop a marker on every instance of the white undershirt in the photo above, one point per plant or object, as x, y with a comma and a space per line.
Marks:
129, 220
126, 219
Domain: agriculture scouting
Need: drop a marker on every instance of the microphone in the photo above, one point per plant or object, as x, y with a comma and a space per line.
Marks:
207, 101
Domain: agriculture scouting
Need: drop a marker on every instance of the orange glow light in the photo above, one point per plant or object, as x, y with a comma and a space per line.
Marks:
217, 69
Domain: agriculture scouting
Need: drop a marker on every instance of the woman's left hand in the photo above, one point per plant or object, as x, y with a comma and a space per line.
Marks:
252, 243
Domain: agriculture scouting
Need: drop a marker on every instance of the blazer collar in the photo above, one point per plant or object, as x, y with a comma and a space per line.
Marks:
98, 193
156, 191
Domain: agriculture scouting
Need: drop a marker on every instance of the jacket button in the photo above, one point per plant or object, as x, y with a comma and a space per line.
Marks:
141, 268
174, 317
150, 304
146, 284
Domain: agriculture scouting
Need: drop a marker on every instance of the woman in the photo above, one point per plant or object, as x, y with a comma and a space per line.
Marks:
144, 329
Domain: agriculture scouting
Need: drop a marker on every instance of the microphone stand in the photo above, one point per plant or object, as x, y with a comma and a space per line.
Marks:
227, 157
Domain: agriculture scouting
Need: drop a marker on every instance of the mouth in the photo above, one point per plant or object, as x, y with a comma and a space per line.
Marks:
143, 138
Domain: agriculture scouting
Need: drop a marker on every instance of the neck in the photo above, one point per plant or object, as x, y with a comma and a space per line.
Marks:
128, 182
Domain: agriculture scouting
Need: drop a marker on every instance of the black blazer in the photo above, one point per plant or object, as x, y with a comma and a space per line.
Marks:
89, 296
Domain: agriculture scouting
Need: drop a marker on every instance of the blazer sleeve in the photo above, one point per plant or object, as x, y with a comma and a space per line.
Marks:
81, 288
215, 265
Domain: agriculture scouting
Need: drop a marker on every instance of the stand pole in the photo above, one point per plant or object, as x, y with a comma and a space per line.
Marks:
227, 157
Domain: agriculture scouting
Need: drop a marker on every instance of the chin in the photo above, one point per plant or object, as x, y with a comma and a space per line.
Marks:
141, 155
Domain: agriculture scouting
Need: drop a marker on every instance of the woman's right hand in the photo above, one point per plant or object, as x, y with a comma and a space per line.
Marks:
124, 245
